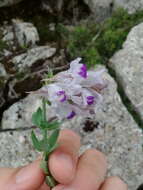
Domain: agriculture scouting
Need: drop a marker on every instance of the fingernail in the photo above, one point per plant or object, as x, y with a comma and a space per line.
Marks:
25, 174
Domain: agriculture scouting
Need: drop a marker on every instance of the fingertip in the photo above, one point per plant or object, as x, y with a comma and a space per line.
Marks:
112, 182
67, 133
62, 167
117, 180
99, 156
28, 177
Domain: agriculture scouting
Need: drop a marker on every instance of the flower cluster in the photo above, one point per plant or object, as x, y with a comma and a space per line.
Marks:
75, 91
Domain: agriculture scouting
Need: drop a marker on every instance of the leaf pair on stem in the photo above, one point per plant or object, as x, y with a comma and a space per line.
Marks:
50, 132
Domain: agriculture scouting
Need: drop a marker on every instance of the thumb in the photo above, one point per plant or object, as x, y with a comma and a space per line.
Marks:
25, 178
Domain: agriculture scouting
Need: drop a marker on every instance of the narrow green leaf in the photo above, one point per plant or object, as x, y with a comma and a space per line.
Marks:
53, 148
50, 126
54, 125
53, 138
50, 74
37, 117
36, 142
45, 145
44, 124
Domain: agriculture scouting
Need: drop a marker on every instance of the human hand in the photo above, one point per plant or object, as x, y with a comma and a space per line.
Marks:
86, 172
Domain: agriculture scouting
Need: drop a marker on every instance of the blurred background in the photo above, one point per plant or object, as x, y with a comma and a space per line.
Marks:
38, 36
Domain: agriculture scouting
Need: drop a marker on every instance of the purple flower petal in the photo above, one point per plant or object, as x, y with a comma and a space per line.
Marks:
83, 71
63, 99
71, 115
90, 97
62, 94
90, 100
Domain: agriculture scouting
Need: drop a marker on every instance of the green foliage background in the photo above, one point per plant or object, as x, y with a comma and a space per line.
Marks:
95, 42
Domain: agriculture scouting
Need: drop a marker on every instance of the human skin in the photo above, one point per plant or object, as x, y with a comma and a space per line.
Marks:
73, 172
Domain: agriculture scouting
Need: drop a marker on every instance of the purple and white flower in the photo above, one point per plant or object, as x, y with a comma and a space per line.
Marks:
78, 69
75, 91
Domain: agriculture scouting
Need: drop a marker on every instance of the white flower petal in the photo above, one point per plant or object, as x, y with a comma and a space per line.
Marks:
55, 93
78, 70
65, 110
94, 79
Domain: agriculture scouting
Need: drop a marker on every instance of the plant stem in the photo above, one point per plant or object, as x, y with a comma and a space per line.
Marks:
50, 181
44, 108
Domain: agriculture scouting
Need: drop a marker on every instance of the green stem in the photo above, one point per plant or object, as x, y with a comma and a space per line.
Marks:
50, 181
44, 108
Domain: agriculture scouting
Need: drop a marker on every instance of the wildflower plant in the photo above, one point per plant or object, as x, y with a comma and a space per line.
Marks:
71, 93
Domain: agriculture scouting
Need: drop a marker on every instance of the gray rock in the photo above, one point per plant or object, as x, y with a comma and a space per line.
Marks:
22, 113
116, 134
3, 79
2, 71
21, 34
24, 61
130, 5
8, 35
25, 33
16, 149
51, 6
5, 3
19, 115
102, 9
128, 66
